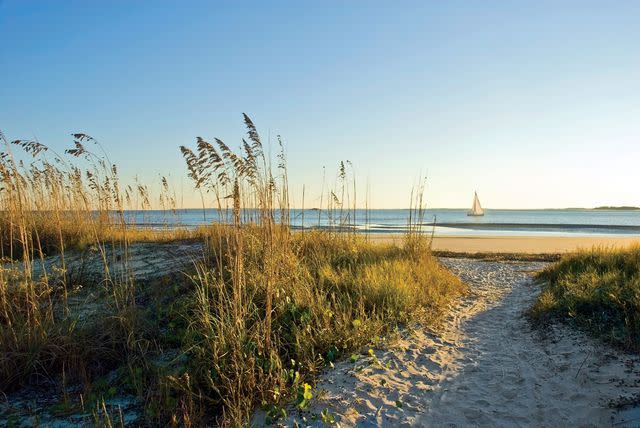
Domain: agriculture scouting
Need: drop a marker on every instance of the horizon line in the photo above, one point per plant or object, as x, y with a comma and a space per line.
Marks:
601, 208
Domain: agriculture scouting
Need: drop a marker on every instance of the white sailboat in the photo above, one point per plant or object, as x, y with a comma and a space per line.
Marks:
476, 208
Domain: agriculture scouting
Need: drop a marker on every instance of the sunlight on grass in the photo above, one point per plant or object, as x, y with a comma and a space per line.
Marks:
255, 319
597, 289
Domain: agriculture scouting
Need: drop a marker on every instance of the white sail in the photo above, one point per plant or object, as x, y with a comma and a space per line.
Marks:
476, 208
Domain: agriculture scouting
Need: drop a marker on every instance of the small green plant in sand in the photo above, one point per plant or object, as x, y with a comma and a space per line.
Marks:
304, 396
273, 413
327, 417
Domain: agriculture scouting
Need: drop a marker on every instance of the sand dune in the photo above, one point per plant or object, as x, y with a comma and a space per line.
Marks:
486, 366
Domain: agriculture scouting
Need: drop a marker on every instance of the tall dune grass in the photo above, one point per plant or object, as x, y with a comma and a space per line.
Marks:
49, 205
261, 313
273, 307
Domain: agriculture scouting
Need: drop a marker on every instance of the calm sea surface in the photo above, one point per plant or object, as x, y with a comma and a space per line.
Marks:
447, 221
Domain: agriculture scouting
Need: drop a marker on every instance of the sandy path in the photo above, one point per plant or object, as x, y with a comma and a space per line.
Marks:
484, 367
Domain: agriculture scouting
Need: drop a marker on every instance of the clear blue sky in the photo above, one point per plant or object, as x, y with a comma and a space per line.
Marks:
534, 104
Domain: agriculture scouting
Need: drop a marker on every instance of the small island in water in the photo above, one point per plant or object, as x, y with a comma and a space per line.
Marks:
622, 208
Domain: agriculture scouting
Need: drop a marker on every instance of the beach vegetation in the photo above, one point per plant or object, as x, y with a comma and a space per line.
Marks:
597, 290
252, 321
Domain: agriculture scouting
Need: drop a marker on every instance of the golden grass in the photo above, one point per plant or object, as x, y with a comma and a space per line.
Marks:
255, 320
332, 295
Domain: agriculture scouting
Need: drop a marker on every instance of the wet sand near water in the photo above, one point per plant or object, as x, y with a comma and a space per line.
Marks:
517, 244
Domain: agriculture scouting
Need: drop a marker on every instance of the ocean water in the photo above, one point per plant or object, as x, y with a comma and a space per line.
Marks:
567, 222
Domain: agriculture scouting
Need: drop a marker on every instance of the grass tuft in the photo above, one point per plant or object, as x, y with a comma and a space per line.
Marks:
598, 290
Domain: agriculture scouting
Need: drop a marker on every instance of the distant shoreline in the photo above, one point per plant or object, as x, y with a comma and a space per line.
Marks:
315, 209
623, 208
589, 222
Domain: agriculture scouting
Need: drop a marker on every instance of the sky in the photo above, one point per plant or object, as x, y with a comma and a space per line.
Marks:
533, 104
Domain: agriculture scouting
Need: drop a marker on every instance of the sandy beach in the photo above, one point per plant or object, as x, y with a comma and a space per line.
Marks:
418, 214
517, 244
485, 366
